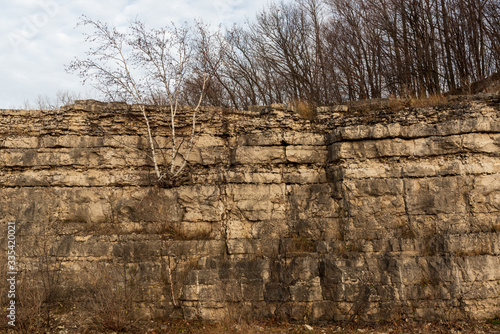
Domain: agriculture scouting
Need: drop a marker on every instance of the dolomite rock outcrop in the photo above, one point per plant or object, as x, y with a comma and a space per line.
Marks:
362, 214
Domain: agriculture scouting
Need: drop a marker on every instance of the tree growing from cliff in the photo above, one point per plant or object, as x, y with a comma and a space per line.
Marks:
148, 66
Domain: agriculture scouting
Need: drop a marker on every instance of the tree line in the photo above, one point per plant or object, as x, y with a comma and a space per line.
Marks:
317, 51
328, 51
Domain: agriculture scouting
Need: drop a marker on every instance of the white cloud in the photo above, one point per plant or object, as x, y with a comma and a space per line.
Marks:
38, 37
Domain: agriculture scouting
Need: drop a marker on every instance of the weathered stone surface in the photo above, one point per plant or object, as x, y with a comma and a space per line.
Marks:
306, 154
259, 154
382, 215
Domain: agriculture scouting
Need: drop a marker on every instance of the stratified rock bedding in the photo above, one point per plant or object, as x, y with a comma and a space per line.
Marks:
361, 213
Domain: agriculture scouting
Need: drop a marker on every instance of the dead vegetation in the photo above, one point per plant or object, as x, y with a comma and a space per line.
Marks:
79, 324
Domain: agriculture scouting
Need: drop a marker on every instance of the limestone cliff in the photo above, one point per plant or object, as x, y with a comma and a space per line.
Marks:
362, 213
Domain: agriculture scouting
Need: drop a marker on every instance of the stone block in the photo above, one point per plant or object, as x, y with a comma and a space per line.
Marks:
255, 210
431, 146
196, 248
252, 290
306, 291
301, 138
259, 154
209, 155
371, 170
376, 187
436, 195
190, 292
482, 143
20, 142
243, 246
262, 138
304, 175
265, 192
276, 292
305, 268
486, 194
200, 203
393, 219
238, 229
306, 154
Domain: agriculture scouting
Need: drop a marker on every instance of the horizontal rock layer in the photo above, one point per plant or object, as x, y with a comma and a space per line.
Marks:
370, 215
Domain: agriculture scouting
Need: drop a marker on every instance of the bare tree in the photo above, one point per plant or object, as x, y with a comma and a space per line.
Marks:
319, 51
141, 66
44, 102
412, 47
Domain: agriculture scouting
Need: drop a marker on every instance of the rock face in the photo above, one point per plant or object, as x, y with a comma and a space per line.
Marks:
368, 215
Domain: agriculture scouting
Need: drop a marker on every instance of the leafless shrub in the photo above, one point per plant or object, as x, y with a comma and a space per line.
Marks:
111, 293
38, 283
28, 301
31, 312
144, 66
44, 102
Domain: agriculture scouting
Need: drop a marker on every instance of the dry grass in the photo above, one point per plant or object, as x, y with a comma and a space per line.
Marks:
39, 291
427, 102
304, 109
396, 104
111, 297
29, 302
276, 327
34, 306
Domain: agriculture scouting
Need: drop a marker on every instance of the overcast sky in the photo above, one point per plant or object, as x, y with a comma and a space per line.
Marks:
38, 37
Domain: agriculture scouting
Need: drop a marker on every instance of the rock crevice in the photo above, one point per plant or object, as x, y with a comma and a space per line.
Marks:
351, 215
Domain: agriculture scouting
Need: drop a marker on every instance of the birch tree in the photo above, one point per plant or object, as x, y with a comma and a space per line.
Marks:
145, 65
